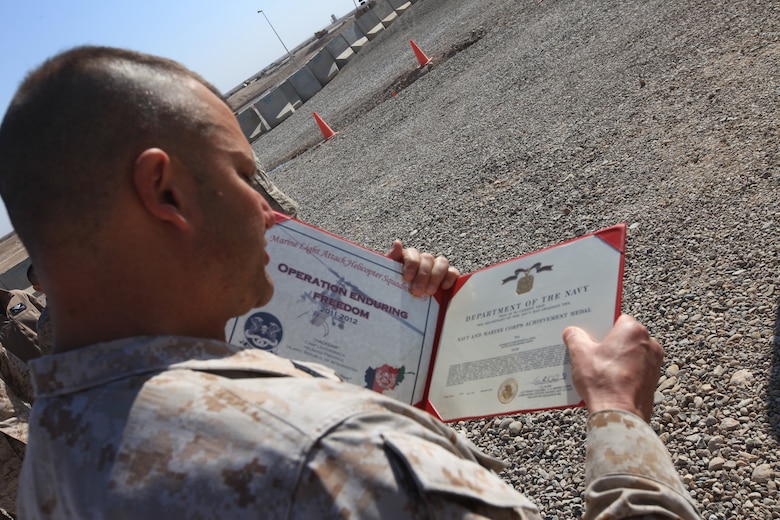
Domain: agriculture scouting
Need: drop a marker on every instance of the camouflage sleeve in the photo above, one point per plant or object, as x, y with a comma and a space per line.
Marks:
378, 465
273, 195
36, 302
45, 332
16, 375
629, 473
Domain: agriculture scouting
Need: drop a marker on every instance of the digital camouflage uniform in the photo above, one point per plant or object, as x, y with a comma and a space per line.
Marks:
188, 428
15, 398
45, 332
20, 312
273, 195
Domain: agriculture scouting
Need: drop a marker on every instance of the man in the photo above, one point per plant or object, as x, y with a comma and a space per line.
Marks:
18, 332
143, 411
43, 325
271, 193
19, 313
15, 399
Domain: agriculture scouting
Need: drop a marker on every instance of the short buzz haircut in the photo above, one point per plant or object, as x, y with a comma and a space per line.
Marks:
31, 276
74, 128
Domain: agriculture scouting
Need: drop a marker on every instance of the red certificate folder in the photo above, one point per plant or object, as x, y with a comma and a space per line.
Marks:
489, 346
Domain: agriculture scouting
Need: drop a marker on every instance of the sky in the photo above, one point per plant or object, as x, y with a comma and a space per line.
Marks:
225, 41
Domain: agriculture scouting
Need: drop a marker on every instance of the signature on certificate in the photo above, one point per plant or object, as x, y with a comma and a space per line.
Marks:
549, 379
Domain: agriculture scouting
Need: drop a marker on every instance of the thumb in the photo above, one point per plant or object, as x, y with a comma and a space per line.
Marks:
576, 337
396, 251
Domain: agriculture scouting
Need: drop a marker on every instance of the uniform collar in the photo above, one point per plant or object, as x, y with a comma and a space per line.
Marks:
103, 363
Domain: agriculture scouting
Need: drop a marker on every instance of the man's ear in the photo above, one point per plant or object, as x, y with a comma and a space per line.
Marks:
158, 184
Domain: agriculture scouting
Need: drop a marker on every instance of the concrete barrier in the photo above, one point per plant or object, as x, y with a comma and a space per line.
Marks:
280, 103
370, 24
16, 277
291, 95
323, 66
305, 83
385, 12
251, 123
400, 5
354, 36
274, 107
340, 50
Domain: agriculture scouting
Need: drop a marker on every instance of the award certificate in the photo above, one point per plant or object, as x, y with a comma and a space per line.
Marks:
343, 306
501, 349
491, 345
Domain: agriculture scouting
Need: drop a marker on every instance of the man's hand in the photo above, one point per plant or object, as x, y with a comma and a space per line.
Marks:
424, 272
620, 373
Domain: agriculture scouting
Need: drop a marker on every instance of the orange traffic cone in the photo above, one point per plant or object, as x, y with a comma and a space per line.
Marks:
422, 59
327, 132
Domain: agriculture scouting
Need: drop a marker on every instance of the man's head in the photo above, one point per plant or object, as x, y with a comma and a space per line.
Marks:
136, 162
32, 277
74, 126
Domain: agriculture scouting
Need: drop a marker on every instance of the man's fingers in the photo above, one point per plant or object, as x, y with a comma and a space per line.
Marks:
410, 257
439, 274
424, 272
450, 278
619, 372
396, 251
413, 261
575, 337
423, 278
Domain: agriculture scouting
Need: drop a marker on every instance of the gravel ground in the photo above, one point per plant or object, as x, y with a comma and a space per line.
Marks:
541, 121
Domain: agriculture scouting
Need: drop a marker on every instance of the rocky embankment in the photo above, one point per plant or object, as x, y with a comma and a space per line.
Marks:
541, 121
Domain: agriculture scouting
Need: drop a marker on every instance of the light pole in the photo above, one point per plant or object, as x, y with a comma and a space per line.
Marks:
280, 38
